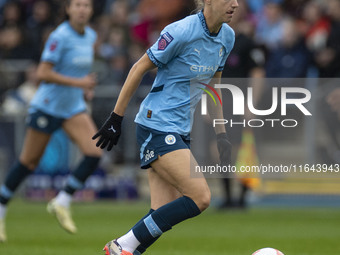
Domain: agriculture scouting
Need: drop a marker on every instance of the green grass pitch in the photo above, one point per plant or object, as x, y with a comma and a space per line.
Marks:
307, 231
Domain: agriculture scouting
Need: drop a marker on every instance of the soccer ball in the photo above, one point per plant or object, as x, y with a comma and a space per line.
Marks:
268, 251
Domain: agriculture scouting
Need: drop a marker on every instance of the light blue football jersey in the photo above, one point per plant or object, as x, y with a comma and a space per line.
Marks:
185, 52
72, 55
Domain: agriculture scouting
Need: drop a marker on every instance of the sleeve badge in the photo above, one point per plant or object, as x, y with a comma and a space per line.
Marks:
164, 41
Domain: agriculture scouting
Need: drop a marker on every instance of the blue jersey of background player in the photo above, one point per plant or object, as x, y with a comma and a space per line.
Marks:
59, 103
194, 48
186, 52
72, 55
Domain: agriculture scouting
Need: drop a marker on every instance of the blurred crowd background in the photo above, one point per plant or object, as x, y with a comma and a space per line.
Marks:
278, 38
295, 35
292, 39
286, 38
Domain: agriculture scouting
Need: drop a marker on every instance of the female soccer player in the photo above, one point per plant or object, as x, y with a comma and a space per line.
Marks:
59, 103
194, 48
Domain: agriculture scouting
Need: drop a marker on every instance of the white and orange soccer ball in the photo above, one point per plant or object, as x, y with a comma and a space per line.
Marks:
267, 251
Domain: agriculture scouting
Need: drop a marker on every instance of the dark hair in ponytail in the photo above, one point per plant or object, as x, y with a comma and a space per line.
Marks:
63, 14
62, 11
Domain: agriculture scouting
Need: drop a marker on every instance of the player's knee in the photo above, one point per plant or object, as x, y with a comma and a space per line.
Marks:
31, 164
203, 200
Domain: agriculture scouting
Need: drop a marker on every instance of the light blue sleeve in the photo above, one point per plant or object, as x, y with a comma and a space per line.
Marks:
53, 48
168, 46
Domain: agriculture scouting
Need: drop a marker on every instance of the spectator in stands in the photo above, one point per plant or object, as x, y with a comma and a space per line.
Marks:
115, 44
12, 14
315, 26
291, 59
118, 64
38, 22
14, 45
255, 6
119, 13
328, 59
156, 14
295, 7
270, 26
2, 4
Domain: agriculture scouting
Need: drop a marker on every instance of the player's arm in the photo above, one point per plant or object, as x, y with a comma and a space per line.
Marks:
109, 133
223, 145
46, 73
134, 78
166, 48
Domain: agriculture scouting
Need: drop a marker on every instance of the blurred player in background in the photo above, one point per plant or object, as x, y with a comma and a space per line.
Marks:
194, 48
59, 103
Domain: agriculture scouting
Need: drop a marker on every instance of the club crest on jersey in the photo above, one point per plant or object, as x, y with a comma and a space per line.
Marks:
170, 139
164, 41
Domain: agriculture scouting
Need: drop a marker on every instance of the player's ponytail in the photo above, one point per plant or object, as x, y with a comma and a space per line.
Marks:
62, 11
199, 4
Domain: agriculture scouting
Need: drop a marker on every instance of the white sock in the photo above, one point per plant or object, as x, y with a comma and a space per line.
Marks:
128, 242
3, 210
64, 199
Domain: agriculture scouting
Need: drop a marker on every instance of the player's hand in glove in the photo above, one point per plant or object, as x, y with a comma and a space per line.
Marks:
109, 133
224, 148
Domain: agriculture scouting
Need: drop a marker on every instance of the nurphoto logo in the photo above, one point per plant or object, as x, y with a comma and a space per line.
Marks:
239, 103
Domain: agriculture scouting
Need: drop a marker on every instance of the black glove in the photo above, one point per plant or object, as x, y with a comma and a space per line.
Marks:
109, 133
224, 148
